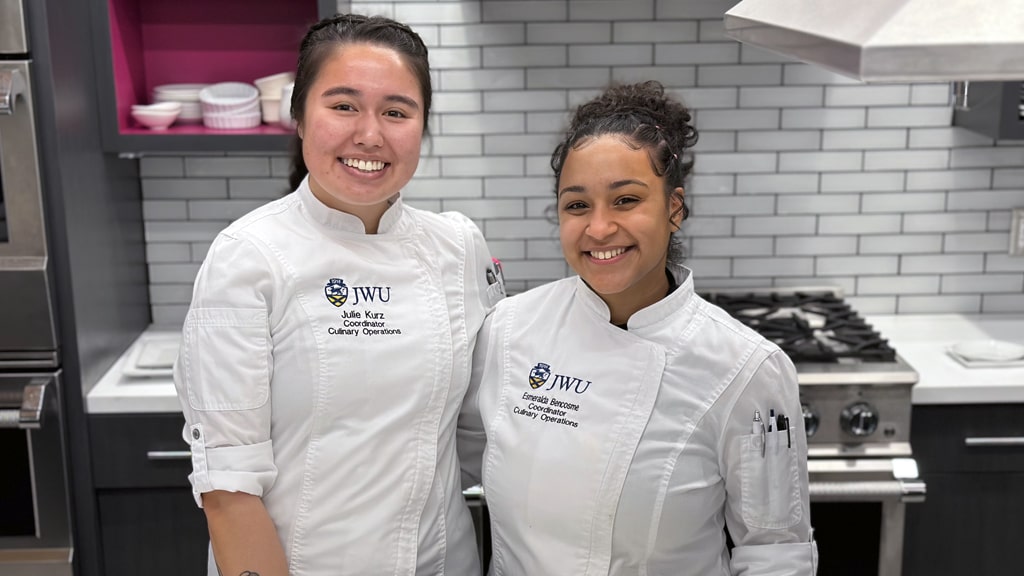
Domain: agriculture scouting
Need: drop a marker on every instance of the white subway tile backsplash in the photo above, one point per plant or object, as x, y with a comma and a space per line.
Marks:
906, 159
486, 79
819, 161
226, 166
920, 284
818, 204
815, 245
910, 117
611, 55
985, 200
872, 95
159, 253
437, 12
802, 176
719, 247
942, 263
604, 10
905, 202
525, 56
658, 32
856, 265
740, 75
759, 140
774, 225
1005, 178
519, 143
948, 179
773, 267
904, 244
982, 283
717, 163
864, 139
993, 157
670, 76
802, 118
980, 242
170, 317
161, 166
780, 96
946, 137
938, 304
568, 32
859, 224
523, 11
930, 94
862, 181
482, 34
694, 53
753, 119
776, 183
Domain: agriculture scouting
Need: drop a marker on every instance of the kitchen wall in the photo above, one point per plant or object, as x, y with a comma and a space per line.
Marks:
803, 177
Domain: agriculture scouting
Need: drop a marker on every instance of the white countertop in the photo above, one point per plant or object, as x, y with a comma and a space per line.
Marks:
921, 339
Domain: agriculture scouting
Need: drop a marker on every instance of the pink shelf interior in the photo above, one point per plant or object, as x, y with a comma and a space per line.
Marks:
157, 42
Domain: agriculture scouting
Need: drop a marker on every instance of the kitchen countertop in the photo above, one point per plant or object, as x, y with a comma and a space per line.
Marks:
921, 339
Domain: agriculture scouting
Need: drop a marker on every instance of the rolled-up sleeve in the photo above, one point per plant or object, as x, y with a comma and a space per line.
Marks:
223, 372
768, 499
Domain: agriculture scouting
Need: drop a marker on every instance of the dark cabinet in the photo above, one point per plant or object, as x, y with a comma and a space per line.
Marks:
141, 44
149, 522
972, 459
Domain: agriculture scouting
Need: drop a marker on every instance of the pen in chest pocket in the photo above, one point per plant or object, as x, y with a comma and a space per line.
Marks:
758, 428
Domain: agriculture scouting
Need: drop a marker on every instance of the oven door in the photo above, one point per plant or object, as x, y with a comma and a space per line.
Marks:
27, 335
34, 526
858, 511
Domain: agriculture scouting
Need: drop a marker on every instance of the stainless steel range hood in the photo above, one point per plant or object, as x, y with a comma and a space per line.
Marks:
890, 40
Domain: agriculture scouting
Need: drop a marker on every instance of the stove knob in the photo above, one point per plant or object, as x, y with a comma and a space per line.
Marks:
810, 420
859, 419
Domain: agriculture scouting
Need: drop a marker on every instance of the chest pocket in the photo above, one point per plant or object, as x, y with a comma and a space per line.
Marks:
770, 482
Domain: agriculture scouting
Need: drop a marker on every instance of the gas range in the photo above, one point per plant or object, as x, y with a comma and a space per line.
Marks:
854, 387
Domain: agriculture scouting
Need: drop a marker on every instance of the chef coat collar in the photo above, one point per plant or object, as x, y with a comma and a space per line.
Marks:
680, 302
390, 221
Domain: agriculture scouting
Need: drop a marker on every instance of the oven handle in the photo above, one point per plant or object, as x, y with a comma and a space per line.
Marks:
868, 491
11, 84
996, 441
30, 415
168, 455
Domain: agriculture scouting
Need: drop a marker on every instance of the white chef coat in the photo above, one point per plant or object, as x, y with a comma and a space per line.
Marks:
614, 451
322, 369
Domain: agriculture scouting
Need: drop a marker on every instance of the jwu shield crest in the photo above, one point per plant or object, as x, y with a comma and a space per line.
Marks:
336, 291
539, 375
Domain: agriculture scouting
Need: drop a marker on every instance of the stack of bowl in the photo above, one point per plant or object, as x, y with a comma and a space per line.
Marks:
270, 94
187, 95
156, 116
230, 106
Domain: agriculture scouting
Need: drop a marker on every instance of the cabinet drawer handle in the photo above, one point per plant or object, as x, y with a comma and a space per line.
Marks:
168, 455
1001, 441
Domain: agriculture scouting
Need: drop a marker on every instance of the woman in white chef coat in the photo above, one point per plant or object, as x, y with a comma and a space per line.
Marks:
622, 411
327, 348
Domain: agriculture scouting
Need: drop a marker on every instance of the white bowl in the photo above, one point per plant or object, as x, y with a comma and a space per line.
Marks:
271, 109
158, 107
226, 97
232, 121
988, 350
285, 113
270, 86
178, 92
155, 119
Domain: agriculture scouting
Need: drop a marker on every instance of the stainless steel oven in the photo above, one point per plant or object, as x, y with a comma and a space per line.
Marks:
855, 392
35, 536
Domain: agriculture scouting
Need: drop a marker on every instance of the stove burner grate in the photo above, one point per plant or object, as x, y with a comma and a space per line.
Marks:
808, 326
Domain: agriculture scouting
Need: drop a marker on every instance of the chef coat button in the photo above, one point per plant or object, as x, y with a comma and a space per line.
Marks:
195, 434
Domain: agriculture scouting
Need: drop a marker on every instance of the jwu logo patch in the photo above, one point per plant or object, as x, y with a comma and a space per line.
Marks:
541, 374
338, 293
